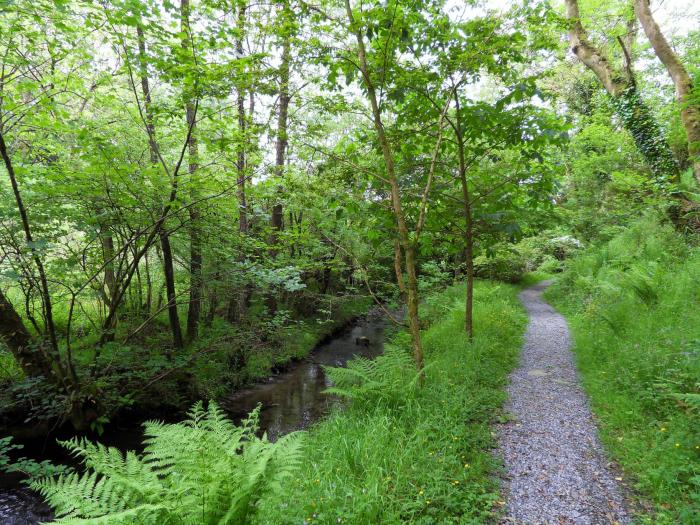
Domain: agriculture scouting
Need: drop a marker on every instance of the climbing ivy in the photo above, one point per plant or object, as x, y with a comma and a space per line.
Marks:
637, 119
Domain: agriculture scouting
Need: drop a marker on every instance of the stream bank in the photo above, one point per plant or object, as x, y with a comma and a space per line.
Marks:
290, 400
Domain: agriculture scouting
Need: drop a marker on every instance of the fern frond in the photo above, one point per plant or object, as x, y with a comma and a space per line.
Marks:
204, 470
390, 377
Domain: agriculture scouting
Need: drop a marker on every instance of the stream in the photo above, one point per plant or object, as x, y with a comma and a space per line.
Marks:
292, 400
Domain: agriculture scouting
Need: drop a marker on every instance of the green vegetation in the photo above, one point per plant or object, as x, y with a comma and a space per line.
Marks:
633, 304
195, 193
204, 470
420, 455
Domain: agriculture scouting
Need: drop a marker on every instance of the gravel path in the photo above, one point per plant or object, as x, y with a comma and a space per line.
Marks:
556, 472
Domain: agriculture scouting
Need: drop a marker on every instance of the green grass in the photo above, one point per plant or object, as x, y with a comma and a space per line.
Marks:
9, 368
634, 308
532, 278
429, 459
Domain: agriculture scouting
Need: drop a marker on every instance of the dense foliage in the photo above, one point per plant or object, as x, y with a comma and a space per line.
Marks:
194, 194
203, 470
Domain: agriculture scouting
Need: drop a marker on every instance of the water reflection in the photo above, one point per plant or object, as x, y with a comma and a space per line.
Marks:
290, 401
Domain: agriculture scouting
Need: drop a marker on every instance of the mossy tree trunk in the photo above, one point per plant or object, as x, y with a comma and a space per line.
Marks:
635, 115
690, 109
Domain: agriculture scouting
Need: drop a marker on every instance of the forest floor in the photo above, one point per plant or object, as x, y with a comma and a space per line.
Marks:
556, 471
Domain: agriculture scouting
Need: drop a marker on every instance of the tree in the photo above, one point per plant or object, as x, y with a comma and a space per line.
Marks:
633, 112
687, 99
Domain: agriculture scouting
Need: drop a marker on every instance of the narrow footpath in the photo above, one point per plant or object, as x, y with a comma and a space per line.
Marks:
556, 472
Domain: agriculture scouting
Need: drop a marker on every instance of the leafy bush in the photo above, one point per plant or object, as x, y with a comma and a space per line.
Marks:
550, 265
543, 253
505, 264
205, 470
30, 468
432, 276
10, 370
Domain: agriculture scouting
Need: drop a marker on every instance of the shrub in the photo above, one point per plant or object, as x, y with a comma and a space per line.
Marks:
506, 264
204, 470
432, 276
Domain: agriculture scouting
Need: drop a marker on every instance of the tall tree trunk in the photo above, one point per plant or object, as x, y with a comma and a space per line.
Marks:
398, 265
195, 302
168, 268
282, 120
468, 225
50, 327
238, 305
281, 140
108, 256
636, 116
170, 293
404, 238
690, 112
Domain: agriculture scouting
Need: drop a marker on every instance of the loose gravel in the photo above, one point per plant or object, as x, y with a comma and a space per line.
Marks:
556, 472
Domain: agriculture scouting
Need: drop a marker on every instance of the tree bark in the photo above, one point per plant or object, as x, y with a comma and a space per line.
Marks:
690, 112
282, 120
50, 327
614, 82
17, 338
469, 226
398, 268
168, 268
404, 238
238, 305
636, 116
281, 141
195, 302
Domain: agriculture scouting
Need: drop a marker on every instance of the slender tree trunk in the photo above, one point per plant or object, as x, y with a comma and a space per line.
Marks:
50, 327
468, 223
168, 268
690, 112
468, 246
398, 264
404, 238
149, 286
170, 291
238, 304
282, 120
108, 255
242, 128
281, 141
195, 302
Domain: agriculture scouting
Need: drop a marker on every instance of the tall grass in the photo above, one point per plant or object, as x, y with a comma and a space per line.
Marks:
634, 308
427, 458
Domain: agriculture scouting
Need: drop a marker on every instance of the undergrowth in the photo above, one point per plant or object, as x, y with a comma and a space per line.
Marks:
421, 455
634, 307
204, 470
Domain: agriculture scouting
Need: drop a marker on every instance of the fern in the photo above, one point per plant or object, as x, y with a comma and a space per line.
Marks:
391, 377
205, 470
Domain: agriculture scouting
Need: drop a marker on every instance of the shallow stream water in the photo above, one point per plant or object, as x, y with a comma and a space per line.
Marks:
290, 401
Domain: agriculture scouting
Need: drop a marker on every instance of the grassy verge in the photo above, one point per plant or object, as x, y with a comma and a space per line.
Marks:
634, 308
428, 459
